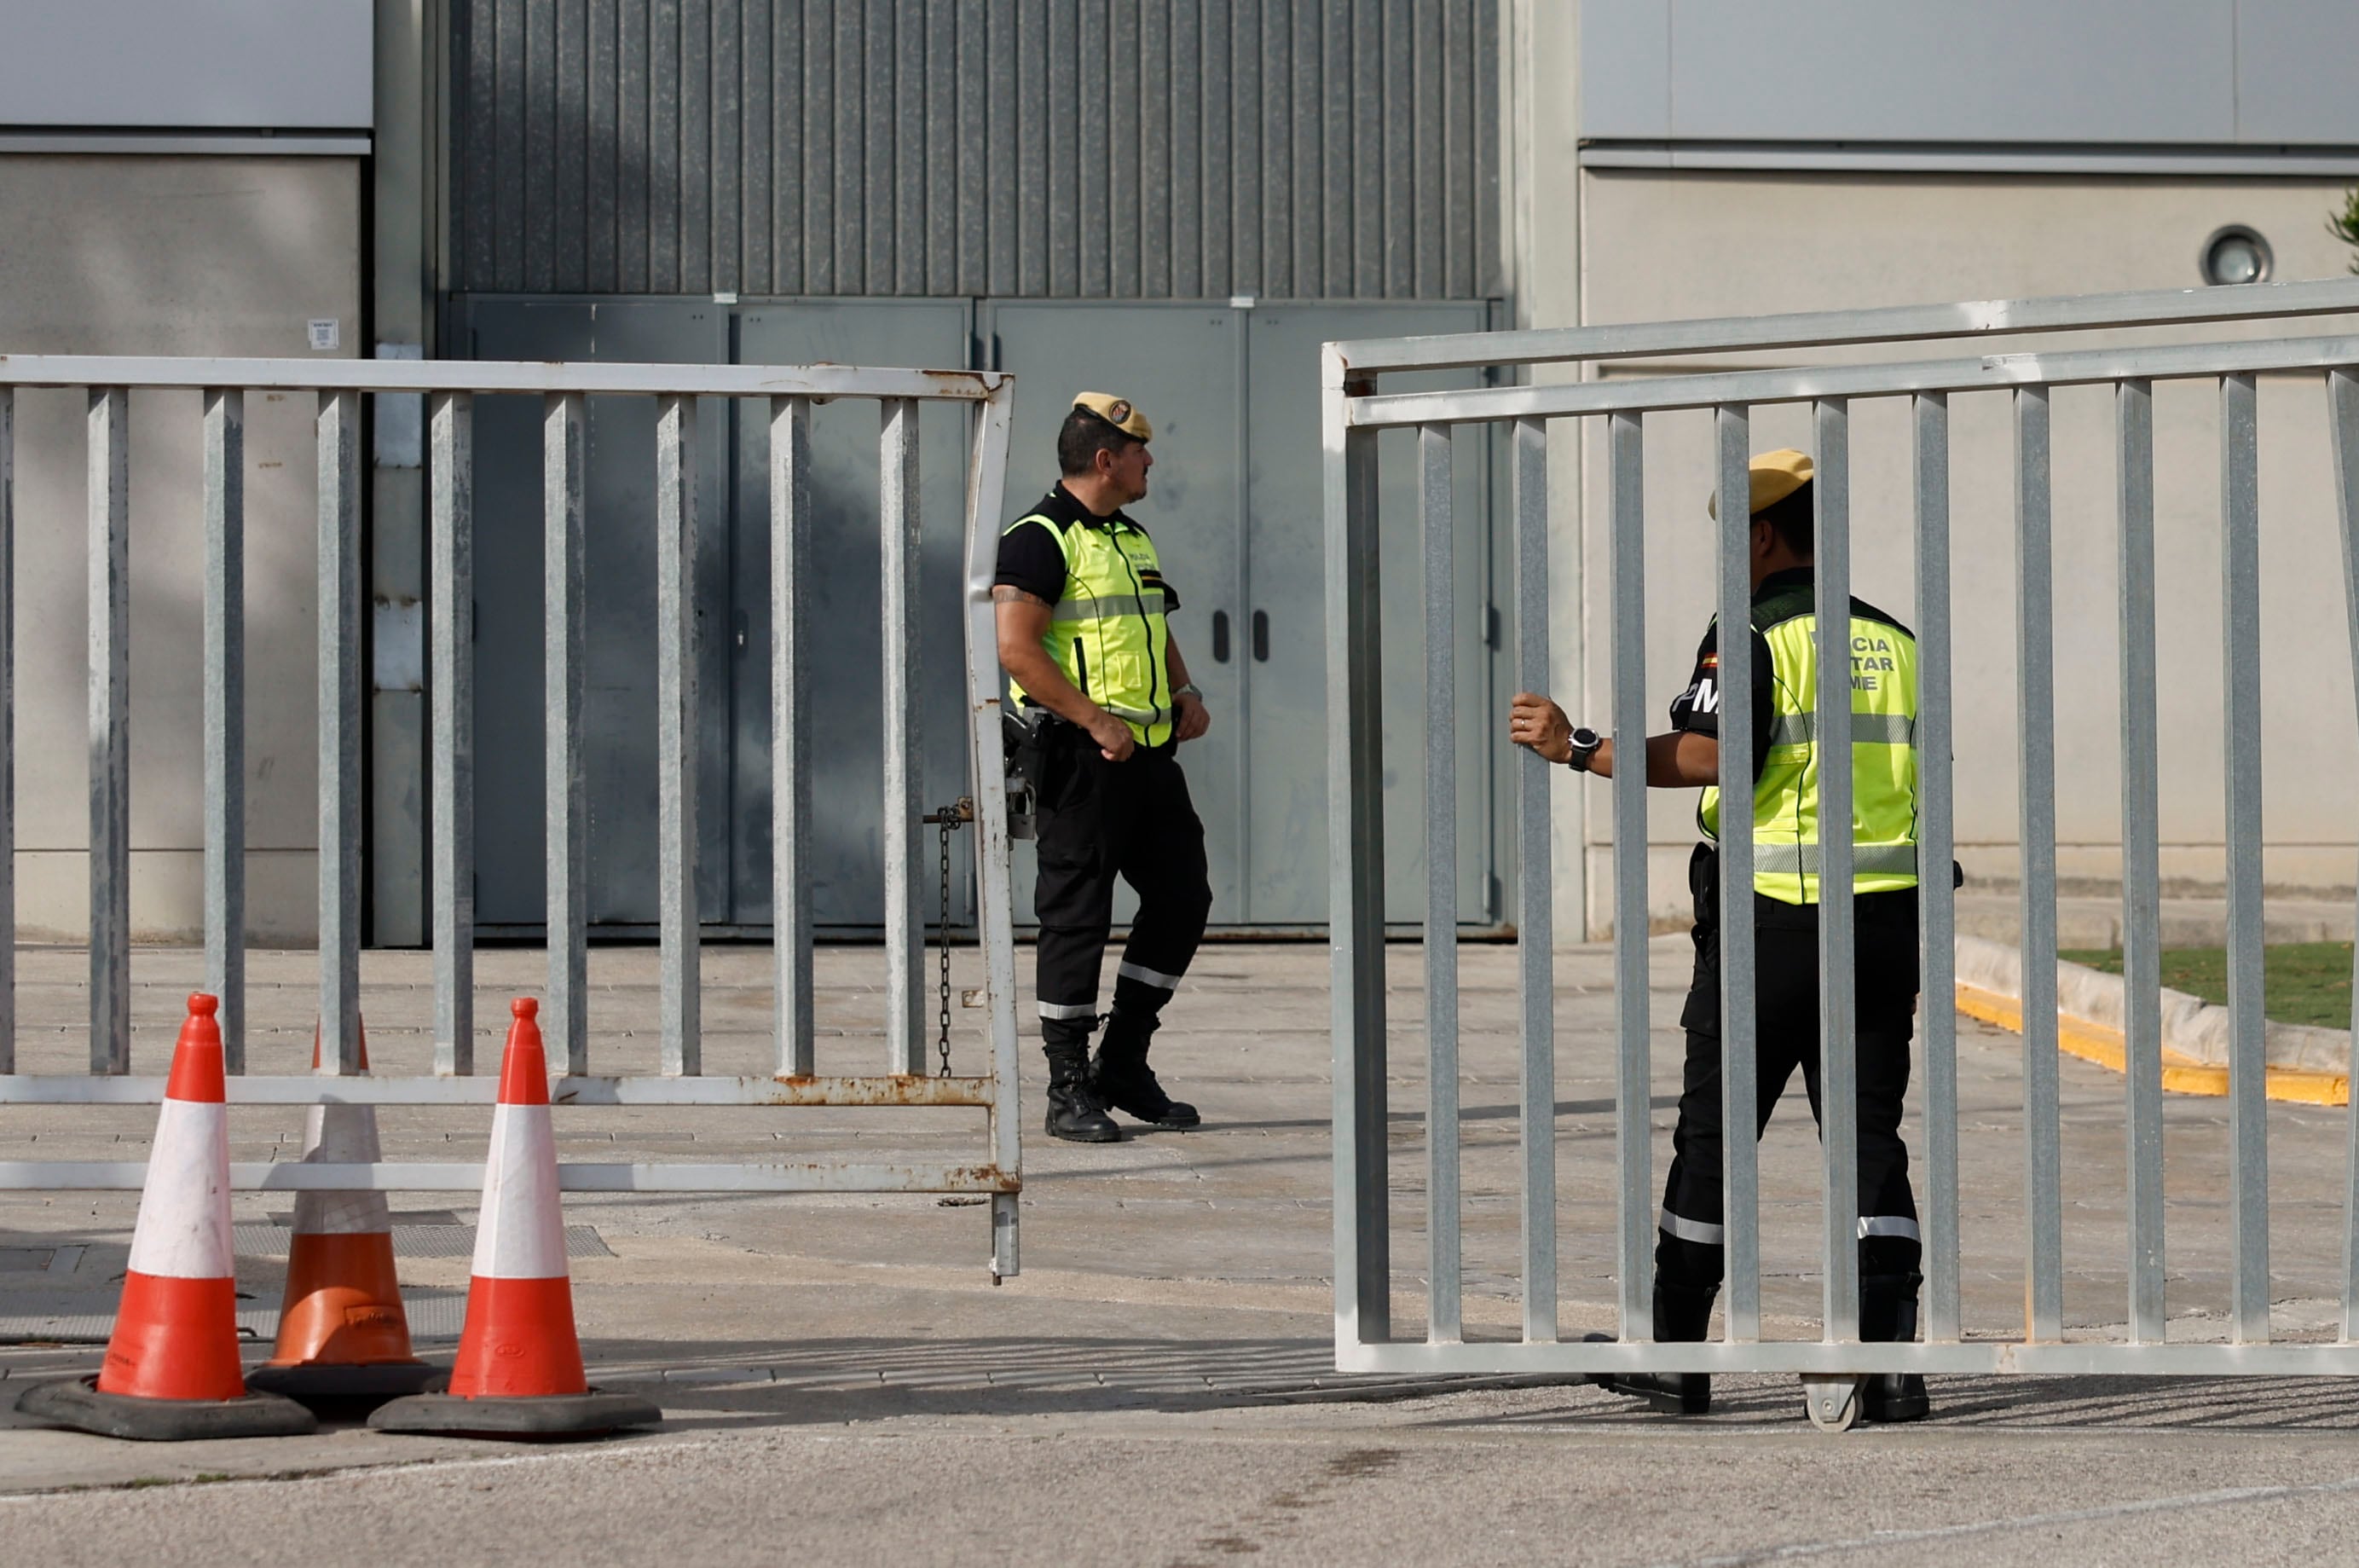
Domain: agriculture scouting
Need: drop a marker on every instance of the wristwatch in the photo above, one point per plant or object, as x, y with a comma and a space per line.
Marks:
1585, 742
1190, 690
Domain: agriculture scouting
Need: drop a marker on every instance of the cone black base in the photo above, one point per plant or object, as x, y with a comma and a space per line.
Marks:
547, 1415
76, 1402
326, 1383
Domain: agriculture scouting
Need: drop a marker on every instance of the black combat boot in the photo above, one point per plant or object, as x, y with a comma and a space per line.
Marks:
1075, 1112
1123, 1080
1887, 1315
1682, 1315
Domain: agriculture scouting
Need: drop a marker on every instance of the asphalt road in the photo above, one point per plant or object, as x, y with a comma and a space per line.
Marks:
843, 1384
1506, 1478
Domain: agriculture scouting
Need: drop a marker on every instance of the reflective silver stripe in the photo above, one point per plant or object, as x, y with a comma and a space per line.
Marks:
1112, 606
1692, 1230
1866, 729
1802, 859
1883, 729
1888, 1224
1146, 976
1136, 715
1069, 1009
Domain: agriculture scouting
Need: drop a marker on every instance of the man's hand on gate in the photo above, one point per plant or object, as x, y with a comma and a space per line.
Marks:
1114, 737
1192, 718
1535, 722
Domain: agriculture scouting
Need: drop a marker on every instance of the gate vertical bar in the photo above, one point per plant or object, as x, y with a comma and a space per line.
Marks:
905, 1045
7, 729
452, 545
995, 919
2343, 414
1534, 890
2141, 858
1356, 864
564, 433
680, 996
340, 730
224, 659
1936, 847
790, 761
1739, 1071
1838, 1003
1437, 521
2248, 1111
109, 452
2036, 739
1633, 1000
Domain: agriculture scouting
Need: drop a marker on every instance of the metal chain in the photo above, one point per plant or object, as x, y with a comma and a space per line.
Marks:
948, 821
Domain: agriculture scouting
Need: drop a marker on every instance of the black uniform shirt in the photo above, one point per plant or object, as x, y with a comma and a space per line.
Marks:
1032, 560
1696, 710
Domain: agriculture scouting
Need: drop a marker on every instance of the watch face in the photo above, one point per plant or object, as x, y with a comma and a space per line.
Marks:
1586, 739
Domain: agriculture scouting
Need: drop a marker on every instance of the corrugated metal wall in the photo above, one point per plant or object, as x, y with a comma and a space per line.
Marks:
1043, 149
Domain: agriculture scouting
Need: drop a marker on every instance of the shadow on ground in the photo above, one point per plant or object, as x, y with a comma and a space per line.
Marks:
856, 1379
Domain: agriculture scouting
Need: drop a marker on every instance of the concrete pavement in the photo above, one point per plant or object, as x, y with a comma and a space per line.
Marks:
843, 1383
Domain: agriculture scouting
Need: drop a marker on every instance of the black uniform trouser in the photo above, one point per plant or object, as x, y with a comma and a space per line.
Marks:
1688, 1249
1097, 821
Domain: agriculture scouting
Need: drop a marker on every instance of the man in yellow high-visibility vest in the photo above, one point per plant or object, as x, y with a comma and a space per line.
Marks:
1081, 603
1689, 1251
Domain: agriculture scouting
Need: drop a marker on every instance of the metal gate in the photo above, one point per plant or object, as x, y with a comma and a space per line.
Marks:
1356, 412
785, 396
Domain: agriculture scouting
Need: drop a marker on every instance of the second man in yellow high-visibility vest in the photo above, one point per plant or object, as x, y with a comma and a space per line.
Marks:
1081, 605
1689, 1250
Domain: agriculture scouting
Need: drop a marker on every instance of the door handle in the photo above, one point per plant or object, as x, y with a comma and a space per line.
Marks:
1219, 637
1261, 636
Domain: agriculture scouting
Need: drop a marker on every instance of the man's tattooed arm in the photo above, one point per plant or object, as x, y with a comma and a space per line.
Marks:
1006, 595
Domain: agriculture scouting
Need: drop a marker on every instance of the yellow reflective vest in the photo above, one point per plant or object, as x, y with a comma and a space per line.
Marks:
1107, 633
1882, 752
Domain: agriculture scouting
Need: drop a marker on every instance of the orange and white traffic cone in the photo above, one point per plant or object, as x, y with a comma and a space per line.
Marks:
172, 1370
343, 1334
519, 1370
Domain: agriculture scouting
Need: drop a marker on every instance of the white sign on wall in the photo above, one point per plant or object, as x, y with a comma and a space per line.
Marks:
186, 65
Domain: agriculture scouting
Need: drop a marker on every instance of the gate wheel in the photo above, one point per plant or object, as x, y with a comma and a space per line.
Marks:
1832, 1402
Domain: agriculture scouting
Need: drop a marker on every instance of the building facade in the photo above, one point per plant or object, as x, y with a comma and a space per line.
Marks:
1176, 198
1720, 158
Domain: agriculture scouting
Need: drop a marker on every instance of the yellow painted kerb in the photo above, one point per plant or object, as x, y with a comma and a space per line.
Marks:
2181, 1075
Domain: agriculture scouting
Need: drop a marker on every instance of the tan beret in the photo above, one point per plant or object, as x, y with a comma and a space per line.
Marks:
1118, 412
1776, 476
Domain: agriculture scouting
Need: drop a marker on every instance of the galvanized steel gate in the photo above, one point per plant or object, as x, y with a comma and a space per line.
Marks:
448, 389
1355, 411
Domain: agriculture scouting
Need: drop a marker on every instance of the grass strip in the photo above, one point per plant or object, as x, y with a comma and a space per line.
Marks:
2302, 982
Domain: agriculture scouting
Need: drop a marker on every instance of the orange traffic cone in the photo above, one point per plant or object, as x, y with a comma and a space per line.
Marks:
171, 1369
519, 1370
342, 1336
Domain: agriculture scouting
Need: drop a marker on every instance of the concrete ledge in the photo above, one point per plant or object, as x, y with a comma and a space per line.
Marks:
2308, 1064
2086, 920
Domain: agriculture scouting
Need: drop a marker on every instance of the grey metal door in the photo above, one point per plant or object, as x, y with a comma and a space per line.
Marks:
1286, 637
1235, 509
618, 708
842, 612
1182, 364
